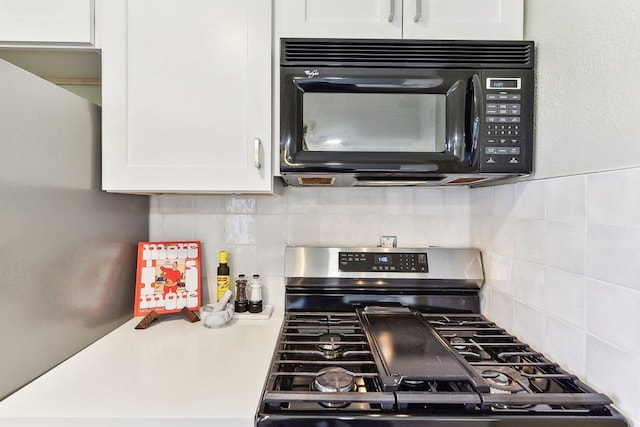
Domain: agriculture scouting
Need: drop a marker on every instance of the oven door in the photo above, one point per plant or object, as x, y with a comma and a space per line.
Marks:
379, 120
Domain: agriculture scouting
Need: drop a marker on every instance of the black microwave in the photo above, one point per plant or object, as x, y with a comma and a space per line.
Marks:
405, 112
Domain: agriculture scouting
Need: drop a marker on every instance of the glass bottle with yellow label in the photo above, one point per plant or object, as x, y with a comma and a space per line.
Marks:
224, 277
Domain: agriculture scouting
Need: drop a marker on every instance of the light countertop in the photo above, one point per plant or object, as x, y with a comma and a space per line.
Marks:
172, 373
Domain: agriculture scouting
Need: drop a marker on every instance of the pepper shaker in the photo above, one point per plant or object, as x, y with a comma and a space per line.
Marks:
241, 294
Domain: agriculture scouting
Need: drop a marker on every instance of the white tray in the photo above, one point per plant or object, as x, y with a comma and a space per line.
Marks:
265, 314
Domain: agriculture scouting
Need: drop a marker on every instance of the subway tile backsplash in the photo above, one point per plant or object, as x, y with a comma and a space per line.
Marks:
562, 255
256, 229
562, 260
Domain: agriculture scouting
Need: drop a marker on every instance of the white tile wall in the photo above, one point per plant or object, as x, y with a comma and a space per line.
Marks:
613, 254
607, 368
256, 229
562, 255
565, 344
563, 273
566, 199
565, 295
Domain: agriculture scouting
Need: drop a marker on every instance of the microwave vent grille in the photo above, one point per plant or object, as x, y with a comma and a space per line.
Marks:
407, 53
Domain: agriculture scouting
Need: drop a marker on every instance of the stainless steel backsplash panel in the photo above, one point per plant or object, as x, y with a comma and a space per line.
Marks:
67, 249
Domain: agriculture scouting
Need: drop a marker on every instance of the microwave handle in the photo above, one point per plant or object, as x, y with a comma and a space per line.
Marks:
474, 127
462, 144
456, 120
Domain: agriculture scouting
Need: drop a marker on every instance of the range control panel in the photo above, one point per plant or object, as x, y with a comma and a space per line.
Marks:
392, 262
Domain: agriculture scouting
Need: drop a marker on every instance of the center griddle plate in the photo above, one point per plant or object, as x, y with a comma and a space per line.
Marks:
406, 347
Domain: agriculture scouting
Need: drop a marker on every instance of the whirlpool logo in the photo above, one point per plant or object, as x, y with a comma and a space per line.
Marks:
311, 73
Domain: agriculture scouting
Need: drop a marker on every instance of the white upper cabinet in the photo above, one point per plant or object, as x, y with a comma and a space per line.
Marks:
47, 23
341, 18
409, 19
186, 96
463, 19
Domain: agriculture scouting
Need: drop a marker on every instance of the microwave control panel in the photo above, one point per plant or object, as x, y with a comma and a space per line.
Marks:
386, 262
506, 131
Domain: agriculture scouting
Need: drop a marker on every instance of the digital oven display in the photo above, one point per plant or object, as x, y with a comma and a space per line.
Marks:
382, 259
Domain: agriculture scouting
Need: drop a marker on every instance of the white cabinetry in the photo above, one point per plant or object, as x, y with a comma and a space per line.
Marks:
341, 18
187, 96
409, 19
47, 23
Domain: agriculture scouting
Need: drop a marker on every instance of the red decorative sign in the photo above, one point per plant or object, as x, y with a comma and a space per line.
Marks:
168, 277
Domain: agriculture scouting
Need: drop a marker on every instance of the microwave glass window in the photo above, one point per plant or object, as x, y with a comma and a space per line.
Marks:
374, 122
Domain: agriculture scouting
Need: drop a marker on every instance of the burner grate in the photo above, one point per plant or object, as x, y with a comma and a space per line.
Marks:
311, 345
513, 378
536, 384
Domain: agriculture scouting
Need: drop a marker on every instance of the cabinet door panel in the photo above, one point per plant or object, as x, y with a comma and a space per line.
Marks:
46, 21
463, 19
185, 94
342, 18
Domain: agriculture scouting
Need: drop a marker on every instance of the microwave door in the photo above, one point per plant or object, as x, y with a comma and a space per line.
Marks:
384, 123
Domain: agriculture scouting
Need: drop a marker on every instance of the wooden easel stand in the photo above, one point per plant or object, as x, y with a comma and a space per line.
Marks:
153, 315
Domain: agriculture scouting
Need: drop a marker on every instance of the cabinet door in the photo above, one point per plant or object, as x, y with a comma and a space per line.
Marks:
341, 18
41, 22
463, 19
187, 96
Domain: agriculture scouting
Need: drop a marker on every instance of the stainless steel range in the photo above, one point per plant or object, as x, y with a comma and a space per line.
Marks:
393, 337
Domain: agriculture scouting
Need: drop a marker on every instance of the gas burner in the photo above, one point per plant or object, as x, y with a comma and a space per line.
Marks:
458, 343
505, 380
334, 380
414, 383
419, 385
330, 345
470, 350
537, 379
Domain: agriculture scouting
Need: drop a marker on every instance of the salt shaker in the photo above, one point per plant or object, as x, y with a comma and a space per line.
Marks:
255, 297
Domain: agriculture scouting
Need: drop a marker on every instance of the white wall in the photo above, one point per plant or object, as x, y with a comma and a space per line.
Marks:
562, 258
587, 92
255, 230
561, 254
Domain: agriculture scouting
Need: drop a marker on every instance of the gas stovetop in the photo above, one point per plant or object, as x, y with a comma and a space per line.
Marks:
404, 364
325, 362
